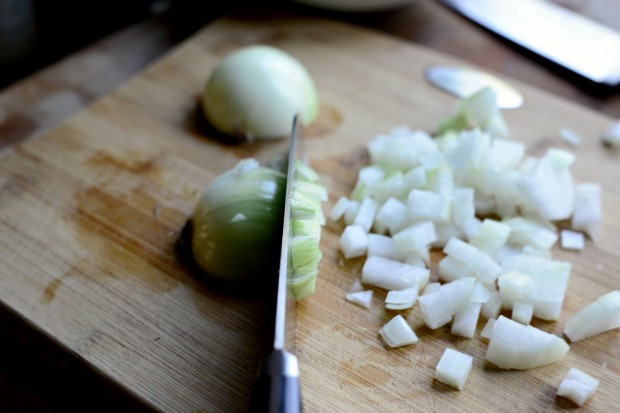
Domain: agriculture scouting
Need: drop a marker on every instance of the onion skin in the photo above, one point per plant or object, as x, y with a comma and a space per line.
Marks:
255, 92
232, 249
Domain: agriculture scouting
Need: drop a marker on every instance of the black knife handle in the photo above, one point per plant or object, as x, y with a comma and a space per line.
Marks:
276, 389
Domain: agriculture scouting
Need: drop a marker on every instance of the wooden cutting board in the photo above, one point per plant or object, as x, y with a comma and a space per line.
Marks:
90, 214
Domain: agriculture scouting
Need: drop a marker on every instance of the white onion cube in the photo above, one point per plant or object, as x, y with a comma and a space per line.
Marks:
587, 211
397, 332
339, 209
392, 214
354, 241
595, 318
453, 368
577, 386
366, 214
415, 237
465, 321
571, 240
401, 299
393, 275
361, 298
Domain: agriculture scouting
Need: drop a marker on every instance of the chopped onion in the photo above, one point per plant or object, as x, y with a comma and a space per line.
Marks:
537, 280
487, 331
393, 275
401, 299
465, 320
353, 241
453, 368
485, 268
397, 332
492, 307
383, 246
366, 214
439, 307
415, 237
392, 214
587, 210
595, 318
361, 298
515, 346
570, 137
577, 386
490, 237
571, 240
549, 191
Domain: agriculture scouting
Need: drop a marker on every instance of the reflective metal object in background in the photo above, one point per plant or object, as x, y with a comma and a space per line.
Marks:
463, 82
555, 33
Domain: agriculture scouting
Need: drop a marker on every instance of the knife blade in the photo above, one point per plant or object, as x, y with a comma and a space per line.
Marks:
559, 35
276, 389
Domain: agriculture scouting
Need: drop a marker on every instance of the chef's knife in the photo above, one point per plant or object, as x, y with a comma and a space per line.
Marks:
560, 35
276, 389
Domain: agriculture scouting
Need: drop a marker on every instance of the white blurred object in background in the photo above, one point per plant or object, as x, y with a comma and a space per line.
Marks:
357, 5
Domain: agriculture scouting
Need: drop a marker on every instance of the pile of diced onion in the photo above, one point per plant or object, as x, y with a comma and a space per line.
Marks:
474, 193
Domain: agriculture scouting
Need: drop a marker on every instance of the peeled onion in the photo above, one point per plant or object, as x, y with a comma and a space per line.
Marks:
255, 92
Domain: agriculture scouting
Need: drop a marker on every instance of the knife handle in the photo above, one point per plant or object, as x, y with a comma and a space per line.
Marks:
276, 389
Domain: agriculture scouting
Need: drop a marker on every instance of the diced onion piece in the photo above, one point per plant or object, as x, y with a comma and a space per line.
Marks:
392, 214
426, 205
529, 250
528, 232
361, 298
611, 138
492, 307
397, 332
463, 208
560, 159
383, 246
439, 307
415, 237
351, 212
485, 268
570, 137
515, 346
480, 294
465, 320
366, 214
431, 288
490, 237
571, 240
550, 280
587, 211
451, 269
505, 154
370, 175
577, 386
401, 299
353, 241
414, 178
595, 318
522, 312
453, 368
548, 190
487, 331
339, 208
393, 275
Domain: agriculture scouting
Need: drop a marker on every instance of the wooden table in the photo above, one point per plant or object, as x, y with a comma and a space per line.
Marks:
39, 102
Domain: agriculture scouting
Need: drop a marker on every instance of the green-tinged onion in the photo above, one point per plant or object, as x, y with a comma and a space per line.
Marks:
230, 248
255, 92
237, 227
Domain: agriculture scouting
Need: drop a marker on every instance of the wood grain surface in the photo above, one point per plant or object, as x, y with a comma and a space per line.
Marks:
91, 211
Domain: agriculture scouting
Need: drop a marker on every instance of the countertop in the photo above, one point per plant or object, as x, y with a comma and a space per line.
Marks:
38, 102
